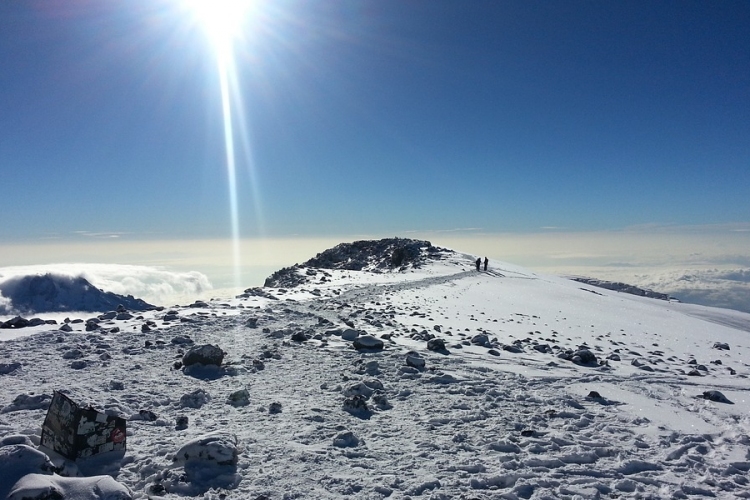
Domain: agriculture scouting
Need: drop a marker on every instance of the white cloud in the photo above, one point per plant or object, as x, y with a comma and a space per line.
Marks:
152, 284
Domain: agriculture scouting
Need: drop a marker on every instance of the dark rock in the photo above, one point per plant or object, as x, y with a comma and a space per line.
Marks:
73, 354
722, 346
239, 398
6, 368
274, 408
416, 361
357, 405
368, 342
716, 396
436, 344
145, 415
299, 336
594, 395
493, 352
17, 322
181, 423
481, 339
182, 340
206, 354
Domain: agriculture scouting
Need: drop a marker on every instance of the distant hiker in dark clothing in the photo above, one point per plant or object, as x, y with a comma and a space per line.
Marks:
486, 261
478, 262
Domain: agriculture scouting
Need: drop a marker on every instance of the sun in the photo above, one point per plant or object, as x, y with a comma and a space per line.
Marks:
222, 20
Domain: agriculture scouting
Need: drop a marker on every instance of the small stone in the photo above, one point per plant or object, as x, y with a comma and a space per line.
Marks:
181, 423
274, 408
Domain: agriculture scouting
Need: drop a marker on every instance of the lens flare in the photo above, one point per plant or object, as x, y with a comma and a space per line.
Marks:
222, 21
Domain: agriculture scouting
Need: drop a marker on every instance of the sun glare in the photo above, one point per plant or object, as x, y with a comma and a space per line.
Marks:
221, 19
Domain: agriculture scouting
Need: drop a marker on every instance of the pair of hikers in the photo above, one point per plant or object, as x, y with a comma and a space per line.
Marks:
479, 263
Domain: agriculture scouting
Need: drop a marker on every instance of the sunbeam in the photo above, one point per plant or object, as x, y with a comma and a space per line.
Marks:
222, 21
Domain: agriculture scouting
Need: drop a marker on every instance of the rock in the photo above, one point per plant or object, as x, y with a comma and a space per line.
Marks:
206, 354
349, 334
66, 327
357, 405
6, 368
346, 439
716, 397
182, 340
116, 385
480, 340
299, 336
274, 408
195, 399
436, 344
368, 342
594, 395
251, 323
493, 352
543, 348
181, 423
359, 389
722, 346
414, 360
73, 354
36, 322
207, 451
239, 398
513, 348
78, 364
17, 322
145, 415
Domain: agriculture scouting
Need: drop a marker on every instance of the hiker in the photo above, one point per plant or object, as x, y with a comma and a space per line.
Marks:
478, 262
486, 261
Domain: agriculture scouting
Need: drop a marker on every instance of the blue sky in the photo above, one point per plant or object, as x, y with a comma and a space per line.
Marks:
377, 117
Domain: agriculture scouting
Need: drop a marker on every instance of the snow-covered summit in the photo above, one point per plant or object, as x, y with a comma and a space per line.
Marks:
436, 381
365, 255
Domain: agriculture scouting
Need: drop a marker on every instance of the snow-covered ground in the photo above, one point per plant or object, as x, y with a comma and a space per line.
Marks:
513, 406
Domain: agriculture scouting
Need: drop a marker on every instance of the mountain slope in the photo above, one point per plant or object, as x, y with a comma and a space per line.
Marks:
498, 384
55, 293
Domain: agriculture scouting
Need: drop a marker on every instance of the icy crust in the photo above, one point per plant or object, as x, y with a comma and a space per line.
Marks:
537, 389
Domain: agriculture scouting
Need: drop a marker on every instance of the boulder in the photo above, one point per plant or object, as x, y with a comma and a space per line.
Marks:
368, 342
206, 354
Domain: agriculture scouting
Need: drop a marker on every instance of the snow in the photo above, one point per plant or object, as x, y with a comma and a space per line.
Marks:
502, 416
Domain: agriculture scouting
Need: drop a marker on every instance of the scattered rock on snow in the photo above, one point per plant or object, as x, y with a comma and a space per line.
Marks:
215, 448
28, 402
274, 408
722, 346
357, 406
6, 368
206, 354
716, 397
368, 342
239, 398
437, 345
415, 360
195, 399
347, 439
